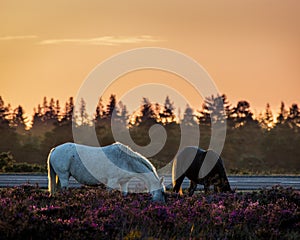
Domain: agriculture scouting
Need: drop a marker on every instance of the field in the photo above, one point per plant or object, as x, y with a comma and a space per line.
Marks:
93, 213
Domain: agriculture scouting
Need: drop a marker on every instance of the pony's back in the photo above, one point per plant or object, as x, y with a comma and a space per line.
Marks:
183, 160
131, 160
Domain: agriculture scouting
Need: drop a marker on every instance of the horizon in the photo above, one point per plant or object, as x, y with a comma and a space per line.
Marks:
178, 111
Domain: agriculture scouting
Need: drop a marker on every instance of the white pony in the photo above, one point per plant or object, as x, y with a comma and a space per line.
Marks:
113, 165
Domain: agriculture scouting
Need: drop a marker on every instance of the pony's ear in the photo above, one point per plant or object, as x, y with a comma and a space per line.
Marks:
161, 180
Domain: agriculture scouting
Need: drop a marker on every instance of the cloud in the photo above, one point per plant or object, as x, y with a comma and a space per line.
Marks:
105, 40
20, 37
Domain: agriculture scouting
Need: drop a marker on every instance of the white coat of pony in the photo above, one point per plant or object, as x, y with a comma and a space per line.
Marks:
113, 165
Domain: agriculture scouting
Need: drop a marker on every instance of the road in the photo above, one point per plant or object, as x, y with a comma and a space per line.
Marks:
236, 182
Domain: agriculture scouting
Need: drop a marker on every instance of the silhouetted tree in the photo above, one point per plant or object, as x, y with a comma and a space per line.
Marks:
266, 119
167, 115
188, 116
147, 114
229, 110
4, 114
213, 110
204, 116
37, 121
111, 108
45, 117
282, 115
57, 107
242, 113
69, 109
19, 120
45, 108
9, 138
294, 116
83, 116
99, 111
123, 117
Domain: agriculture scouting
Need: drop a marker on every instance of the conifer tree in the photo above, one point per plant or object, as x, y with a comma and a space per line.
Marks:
19, 120
294, 116
188, 116
4, 114
111, 108
242, 113
167, 115
266, 119
83, 116
99, 110
147, 113
123, 113
283, 114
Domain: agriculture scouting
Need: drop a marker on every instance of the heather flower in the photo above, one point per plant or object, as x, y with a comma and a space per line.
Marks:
98, 214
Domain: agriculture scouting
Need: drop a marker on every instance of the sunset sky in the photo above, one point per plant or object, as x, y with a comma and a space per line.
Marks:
251, 49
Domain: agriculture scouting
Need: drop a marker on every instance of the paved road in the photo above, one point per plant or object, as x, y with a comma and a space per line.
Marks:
236, 182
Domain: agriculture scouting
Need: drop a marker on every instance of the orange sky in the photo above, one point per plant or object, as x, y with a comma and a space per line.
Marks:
250, 48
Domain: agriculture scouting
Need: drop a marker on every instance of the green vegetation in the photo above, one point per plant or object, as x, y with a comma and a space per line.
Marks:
8, 164
264, 144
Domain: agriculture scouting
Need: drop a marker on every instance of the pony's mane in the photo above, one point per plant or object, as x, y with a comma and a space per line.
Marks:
136, 156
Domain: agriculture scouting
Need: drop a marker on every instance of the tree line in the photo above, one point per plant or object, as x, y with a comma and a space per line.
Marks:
264, 143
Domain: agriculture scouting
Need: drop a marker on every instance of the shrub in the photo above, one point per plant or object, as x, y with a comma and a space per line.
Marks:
8, 164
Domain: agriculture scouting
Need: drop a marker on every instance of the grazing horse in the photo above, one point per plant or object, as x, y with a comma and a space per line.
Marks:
113, 165
188, 164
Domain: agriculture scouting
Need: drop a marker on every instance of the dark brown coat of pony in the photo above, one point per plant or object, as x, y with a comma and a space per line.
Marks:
191, 159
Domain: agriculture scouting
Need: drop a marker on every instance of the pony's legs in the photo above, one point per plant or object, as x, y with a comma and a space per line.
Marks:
57, 184
124, 188
192, 188
206, 188
113, 184
177, 185
63, 180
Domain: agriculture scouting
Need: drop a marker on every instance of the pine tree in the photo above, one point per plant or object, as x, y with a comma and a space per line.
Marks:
123, 113
83, 116
69, 109
45, 109
213, 110
51, 110
242, 113
4, 113
266, 120
283, 114
19, 120
9, 140
147, 114
111, 109
188, 116
99, 110
57, 110
204, 116
37, 116
167, 115
229, 110
294, 116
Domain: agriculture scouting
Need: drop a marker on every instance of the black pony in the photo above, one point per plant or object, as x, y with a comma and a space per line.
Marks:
188, 164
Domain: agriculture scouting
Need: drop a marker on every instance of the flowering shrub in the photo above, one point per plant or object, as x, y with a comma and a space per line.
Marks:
93, 213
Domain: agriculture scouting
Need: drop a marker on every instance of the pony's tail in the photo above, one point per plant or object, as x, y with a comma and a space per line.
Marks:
177, 181
51, 175
174, 174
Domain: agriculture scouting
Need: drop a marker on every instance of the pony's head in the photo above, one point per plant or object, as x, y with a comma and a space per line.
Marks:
158, 195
